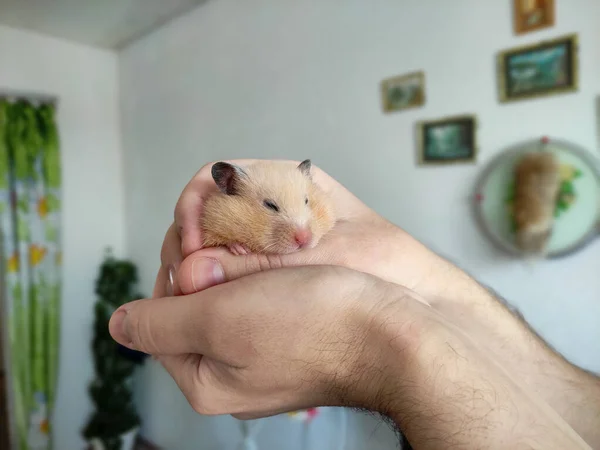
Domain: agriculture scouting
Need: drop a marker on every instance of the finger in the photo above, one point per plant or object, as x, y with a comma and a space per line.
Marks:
189, 206
159, 289
157, 326
212, 266
184, 370
170, 258
206, 392
269, 411
210, 323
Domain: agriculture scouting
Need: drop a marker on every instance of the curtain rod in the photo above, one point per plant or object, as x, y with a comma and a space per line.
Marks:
28, 95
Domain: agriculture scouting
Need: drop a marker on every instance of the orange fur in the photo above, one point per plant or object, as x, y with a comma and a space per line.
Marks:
537, 184
243, 218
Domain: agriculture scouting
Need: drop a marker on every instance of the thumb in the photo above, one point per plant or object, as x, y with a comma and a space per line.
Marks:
211, 266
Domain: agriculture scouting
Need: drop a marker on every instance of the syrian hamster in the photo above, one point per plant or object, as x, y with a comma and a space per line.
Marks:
265, 207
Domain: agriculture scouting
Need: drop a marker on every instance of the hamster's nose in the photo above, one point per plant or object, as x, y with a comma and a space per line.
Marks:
302, 236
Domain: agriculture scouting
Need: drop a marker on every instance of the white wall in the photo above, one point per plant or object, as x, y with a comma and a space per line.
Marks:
282, 78
85, 82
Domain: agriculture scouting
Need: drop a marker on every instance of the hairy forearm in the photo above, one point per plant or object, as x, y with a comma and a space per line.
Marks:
444, 392
571, 391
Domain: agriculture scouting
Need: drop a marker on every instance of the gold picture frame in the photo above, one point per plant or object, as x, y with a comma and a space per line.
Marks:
464, 133
408, 88
533, 15
566, 57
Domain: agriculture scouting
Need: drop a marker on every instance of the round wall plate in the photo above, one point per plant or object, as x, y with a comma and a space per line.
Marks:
577, 213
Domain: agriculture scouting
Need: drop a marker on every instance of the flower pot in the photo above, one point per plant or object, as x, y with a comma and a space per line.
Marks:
128, 439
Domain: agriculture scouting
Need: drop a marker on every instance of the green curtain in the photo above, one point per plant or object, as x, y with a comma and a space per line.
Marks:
30, 182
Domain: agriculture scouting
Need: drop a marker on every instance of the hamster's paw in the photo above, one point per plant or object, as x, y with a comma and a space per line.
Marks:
238, 249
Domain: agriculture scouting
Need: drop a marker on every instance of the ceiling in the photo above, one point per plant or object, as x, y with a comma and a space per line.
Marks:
110, 24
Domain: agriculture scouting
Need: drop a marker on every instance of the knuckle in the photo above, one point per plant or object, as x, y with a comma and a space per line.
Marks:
164, 259
205, 167
198, 175
273, 262
178, 204
196, 402
179, 210
189, 195
252, 263
139, 333
261, 262
197, 405
167, 249
202, 404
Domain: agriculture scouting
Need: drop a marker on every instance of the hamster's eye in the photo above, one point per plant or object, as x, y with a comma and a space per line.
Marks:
306, 200
269, 204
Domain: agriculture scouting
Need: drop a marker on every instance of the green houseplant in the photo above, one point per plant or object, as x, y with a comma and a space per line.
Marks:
115, 415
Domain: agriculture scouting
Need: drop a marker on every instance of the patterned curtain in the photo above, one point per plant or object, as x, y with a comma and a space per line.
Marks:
30, 182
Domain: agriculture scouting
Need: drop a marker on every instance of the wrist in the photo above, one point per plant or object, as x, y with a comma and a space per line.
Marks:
392, 323
438, 385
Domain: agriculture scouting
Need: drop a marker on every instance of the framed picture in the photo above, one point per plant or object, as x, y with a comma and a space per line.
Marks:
531, 15
447, 140
403, 92
546, 68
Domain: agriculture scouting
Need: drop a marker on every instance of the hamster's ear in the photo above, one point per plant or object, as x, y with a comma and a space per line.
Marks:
228, 177
305, 166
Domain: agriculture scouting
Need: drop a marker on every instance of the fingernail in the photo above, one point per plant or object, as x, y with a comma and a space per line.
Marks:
118, 327
206, 272
171, 281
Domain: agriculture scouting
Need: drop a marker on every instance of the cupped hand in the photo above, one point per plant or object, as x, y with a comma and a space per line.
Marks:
271, 342
361, 240
294, 338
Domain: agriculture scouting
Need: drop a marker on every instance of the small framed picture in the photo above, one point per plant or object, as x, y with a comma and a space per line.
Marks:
447, 140
531, 15
546, 68
403, 92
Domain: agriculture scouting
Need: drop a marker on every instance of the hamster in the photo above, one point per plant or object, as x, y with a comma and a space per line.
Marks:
537, 183
265, 207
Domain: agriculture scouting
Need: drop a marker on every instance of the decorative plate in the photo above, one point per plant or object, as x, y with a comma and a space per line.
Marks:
577, 211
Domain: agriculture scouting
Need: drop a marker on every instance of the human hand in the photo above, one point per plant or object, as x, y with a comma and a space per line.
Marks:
269, 343
361, 240
364, 241
301, 337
